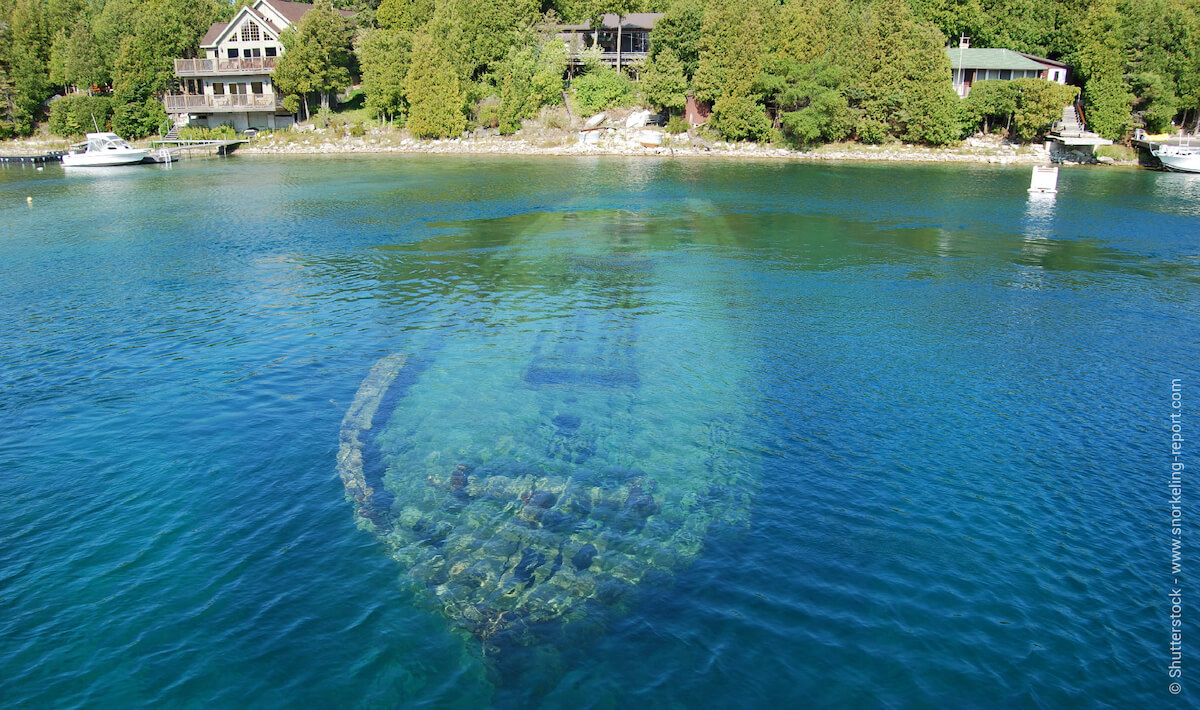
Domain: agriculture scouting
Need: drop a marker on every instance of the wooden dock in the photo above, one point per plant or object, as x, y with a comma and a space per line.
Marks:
168, 151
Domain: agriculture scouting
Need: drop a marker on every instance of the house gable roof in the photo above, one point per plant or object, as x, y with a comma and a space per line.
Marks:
274, 18
220, 30
973, 58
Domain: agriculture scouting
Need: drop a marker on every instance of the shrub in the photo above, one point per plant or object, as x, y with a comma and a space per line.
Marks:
357, 130
677, 125
203, 133
487, 112
72, 115
739, 118
602, 88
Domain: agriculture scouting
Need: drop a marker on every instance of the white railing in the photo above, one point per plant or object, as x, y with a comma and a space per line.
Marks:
213, 67
177, 103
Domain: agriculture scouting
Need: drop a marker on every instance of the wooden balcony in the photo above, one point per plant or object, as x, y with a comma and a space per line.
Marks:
610, 58
218, 67
229, 103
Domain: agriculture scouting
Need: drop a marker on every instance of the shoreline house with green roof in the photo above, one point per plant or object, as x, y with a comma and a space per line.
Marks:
969, 65
231, 83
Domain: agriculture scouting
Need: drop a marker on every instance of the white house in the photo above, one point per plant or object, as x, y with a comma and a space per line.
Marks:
231, 83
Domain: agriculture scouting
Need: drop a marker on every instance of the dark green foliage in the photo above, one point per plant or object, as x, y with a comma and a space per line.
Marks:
27, 65
731, 49
679, 30
1100, 60
317, 55
601, 88
435, 96
1038, 104
991, 102
384, 55
135, 120
71, 116
664, 83
529, 78
812, 108
904, 78
406, 15
741, 118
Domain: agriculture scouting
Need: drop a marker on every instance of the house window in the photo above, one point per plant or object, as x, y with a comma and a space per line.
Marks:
1006, 73
270, 51
236, 89
232, 53
256, 87
250, 32
248, 53
218, 89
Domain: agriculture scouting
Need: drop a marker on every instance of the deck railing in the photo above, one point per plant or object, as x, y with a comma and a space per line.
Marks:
609, 57
215, 67
178, 103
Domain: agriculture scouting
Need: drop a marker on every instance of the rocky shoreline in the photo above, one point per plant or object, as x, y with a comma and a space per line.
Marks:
560, 142
973, 150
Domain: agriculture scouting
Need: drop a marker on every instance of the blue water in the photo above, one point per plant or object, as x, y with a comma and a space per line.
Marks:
941, 411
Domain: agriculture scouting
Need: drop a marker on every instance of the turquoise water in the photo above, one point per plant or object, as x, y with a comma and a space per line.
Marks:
839, 436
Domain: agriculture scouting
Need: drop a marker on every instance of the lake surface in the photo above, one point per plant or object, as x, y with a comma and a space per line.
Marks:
464, 432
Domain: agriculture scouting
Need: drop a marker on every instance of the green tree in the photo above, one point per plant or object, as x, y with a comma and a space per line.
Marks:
905, 78
680, 30
435, 96
812, 107
84, 66
317, 55
739, 117
664, 83
602, 87
529, 78
991, 101
384, 56
1100, 60
405, 15
28, 64
1039, 103
731, 49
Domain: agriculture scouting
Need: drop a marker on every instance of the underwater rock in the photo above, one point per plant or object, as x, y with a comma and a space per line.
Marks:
583, 559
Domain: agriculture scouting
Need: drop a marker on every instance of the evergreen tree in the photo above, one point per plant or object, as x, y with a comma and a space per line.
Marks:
529, 78
1100, 63
435, 95
84, 66
905, 78
812, 107
404, 15
680, 30
28, 64
384, 56
731, 49
317, 55
664, 83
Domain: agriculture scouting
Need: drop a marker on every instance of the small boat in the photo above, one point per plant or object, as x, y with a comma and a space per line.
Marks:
650, 139
104, 149
1180, 158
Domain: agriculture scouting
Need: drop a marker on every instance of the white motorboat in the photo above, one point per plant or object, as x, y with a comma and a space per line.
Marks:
1180, 158
104, 149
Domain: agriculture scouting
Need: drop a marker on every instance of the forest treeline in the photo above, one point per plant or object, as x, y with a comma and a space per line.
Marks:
808, 71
